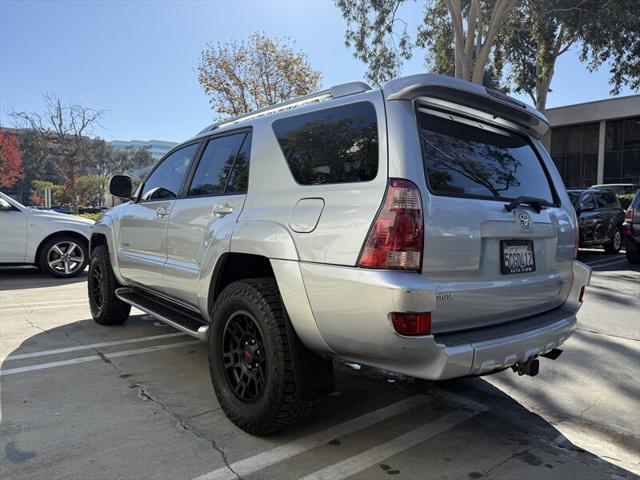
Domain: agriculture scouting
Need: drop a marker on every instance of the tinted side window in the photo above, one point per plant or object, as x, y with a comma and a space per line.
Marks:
475, 160
603, 201
215, 165
165, 181
239, 179
335, 145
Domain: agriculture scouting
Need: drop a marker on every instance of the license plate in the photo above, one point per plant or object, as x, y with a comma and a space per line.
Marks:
517, 256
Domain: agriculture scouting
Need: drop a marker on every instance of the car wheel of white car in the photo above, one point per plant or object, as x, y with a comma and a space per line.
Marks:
63, 256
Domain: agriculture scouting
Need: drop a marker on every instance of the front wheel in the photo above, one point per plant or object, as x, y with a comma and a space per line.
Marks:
250, 360
64, 256
616, 242
106, 308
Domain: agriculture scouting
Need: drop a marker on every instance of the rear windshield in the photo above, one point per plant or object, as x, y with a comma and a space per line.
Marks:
477, 160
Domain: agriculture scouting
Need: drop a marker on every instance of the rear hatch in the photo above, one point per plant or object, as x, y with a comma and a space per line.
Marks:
490, 263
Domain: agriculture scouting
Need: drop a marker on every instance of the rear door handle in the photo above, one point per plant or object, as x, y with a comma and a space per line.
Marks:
162, 212
222, 210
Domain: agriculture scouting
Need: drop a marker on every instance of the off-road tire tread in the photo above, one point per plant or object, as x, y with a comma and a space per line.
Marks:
288, 408
114, 311
42, 257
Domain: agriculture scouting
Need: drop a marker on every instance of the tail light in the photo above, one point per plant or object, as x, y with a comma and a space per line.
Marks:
412, 323
396, 238
628, 216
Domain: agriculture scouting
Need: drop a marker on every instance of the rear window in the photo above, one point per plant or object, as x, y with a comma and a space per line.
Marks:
477, 160
334, 145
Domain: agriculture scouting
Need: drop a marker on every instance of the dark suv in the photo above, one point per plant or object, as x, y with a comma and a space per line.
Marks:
631, 228
600, 218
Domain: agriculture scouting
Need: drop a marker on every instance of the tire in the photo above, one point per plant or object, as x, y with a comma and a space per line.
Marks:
262, 362
63, 256
106, 308
633, 257
616, 242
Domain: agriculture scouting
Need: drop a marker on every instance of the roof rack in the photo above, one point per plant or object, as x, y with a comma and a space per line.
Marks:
341, 90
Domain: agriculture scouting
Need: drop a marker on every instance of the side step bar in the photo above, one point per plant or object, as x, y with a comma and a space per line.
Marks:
181, 318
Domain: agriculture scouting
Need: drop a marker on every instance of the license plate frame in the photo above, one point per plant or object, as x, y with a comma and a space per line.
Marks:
505, 267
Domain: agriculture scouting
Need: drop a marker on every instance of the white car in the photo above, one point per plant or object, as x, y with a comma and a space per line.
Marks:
55, 242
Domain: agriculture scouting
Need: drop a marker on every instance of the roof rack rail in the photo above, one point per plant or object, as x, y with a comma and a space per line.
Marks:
341, 90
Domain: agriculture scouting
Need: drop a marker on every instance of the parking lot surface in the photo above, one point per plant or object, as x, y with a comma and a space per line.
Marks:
81, 401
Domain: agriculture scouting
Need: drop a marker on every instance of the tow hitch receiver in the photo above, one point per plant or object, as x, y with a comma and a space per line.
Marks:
530, 367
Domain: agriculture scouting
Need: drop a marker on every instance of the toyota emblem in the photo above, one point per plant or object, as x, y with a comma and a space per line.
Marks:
524, 220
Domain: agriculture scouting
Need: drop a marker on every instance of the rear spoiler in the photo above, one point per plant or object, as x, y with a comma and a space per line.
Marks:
470, 95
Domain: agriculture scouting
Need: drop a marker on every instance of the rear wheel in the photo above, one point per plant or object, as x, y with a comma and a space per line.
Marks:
64, 256
616, 242
250, 360
633, 257
106, 308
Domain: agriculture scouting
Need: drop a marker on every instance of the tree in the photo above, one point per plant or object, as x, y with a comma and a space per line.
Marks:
243, 76
91, 189
37, 192
458, 35
540, 31
64, 129
10, 161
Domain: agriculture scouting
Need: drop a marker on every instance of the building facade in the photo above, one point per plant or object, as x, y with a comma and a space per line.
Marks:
157, 148
597, 142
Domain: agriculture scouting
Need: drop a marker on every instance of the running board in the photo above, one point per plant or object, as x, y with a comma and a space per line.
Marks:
171, 314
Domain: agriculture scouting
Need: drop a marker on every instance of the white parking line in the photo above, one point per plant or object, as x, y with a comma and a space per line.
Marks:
270, 457
374, 455
93, 345
84, 303
35, 304
61, 363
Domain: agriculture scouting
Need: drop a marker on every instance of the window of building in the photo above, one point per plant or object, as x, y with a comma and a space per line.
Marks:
574, 150
215, 165
622, 151
334, 145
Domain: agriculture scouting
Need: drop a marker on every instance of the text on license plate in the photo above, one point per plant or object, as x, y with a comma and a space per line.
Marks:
517, 256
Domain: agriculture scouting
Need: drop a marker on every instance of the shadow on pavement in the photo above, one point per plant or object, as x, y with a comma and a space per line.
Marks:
16, 278
121, 416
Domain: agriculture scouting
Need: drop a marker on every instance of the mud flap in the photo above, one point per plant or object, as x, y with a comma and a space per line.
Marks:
314, 374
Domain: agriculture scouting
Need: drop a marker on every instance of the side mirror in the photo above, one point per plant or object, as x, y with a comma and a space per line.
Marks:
4, 205
120, 186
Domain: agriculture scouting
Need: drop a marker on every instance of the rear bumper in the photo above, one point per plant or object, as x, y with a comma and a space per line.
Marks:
351, 308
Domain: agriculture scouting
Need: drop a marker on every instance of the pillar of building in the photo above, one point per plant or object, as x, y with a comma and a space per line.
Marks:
601, 141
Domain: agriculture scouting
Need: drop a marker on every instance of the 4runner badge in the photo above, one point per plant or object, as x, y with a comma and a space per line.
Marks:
524, 220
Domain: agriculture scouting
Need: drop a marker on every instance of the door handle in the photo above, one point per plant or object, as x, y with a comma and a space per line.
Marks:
162, 212
222, 210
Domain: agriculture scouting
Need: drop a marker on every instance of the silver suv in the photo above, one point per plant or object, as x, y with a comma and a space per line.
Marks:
420, 228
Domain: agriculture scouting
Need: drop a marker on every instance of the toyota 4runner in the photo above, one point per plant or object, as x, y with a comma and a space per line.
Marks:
420, 228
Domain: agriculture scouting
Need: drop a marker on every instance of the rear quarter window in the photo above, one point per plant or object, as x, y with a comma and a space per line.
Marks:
333, 145
477, 160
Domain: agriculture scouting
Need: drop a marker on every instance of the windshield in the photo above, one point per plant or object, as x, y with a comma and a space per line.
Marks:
464, 158
11, 200
574, 196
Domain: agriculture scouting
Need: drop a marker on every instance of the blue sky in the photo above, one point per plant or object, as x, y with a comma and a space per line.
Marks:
137, 59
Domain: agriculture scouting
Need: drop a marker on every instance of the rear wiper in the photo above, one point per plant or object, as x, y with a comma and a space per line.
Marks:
533, 202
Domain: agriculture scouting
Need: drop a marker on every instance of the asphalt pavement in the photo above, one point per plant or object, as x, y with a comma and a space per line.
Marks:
81, 401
